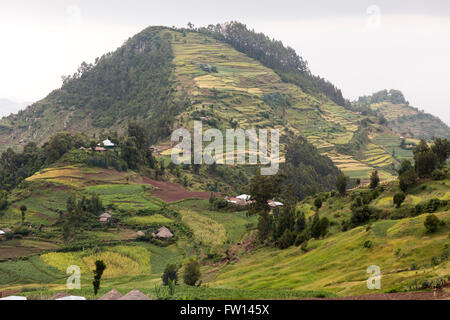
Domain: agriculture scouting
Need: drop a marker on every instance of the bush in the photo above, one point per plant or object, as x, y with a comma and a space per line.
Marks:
3, 203
399, 198
430, 206
434, 261
304, 246
22, 231
319, 227
445, 254
367, 244
407, 179
191, 273
360, 215
374, 180
301, 238
318, 203
286, 240
170, 274
438, 175
431, 223
341, 184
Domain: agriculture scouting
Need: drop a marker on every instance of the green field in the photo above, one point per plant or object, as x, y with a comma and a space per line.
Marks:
126, 197
338, 264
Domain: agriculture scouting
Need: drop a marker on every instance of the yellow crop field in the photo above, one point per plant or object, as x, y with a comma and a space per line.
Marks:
206, 231
120, 261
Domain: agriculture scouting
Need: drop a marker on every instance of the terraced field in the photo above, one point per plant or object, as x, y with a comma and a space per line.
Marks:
120, 260
244, 90
78, 176
126, 197
211, 228
359, 169
338, 263
377, 157
393, 111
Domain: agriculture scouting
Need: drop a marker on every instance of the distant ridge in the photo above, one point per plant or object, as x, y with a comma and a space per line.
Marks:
401, 117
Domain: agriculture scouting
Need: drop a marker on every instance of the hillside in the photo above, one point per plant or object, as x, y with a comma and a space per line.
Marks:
403, 118
396, 241
34, 261
165, 78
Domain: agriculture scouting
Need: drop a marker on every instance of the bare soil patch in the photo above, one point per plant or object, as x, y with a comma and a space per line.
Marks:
172, 192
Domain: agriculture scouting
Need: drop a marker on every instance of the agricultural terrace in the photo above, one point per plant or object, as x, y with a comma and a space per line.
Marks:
343, 260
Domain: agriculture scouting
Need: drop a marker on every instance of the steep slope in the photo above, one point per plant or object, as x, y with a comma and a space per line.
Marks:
245, 93
133, 83
404, 119
165, 78
397, 241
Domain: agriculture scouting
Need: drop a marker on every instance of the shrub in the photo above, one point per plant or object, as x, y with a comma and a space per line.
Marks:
374, 180
430, 206
431, 223
3, 201
414, 266
191, 273
438, 175
286, 240
434, 261
407, 179
98, 272
318, 203
304, 246
341, 184
319, 227
22, 231
399, 198
360, 215
170, 274
367, 244
445, 254
301, 238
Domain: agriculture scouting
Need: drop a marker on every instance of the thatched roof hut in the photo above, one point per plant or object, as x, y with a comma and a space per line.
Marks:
112, 295
163, 233
134, 295
7, 230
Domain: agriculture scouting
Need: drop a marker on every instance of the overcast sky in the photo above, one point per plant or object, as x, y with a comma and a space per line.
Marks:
361, 46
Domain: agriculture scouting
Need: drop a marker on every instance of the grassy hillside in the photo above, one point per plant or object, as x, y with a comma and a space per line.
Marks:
38, 259
338, 263
397, 242
234, 266
403, 118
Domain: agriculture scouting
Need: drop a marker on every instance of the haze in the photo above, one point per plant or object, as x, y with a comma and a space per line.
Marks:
360, 46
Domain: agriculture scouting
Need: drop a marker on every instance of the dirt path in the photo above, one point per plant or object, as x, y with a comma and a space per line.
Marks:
172, 192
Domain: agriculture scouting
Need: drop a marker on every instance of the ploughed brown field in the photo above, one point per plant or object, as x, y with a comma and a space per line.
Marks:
172, 192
